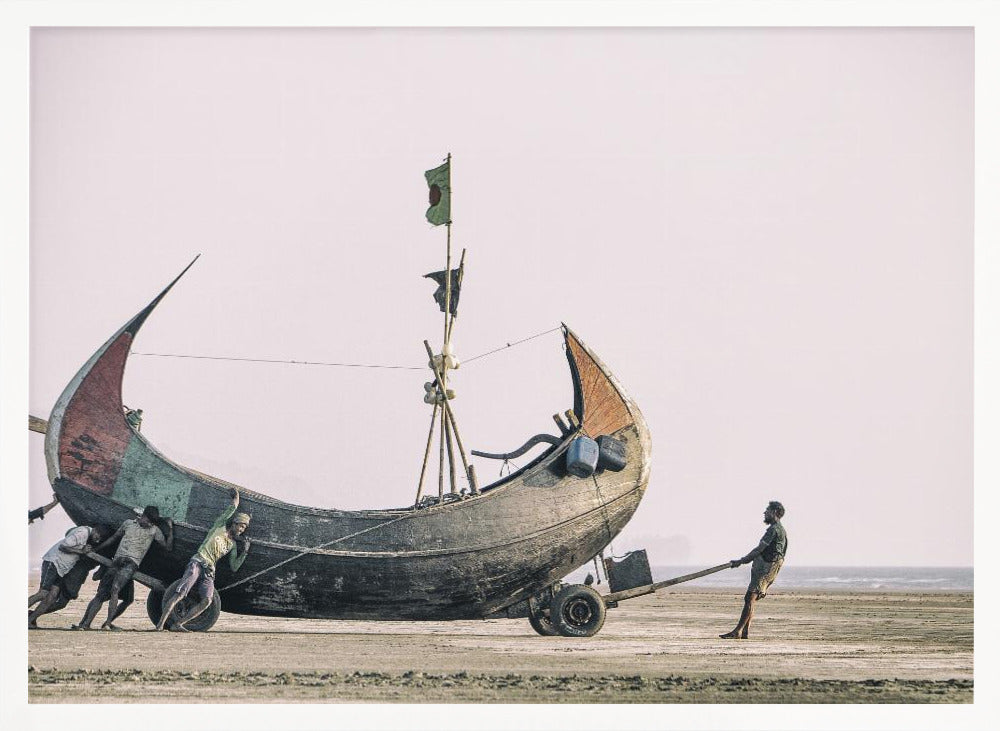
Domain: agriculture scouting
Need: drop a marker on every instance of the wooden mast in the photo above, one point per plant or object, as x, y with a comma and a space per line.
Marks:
448, 430
445, 340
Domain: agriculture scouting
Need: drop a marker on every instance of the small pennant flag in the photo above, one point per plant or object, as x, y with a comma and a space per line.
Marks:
456, 286
439, 194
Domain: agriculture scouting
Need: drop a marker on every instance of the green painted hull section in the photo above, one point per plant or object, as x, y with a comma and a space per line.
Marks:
144, 480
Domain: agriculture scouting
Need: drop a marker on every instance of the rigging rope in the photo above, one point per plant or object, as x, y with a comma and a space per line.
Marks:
340, 365
300, 554
275, 360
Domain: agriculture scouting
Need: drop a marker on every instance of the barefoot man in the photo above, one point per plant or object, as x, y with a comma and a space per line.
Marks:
200, 572
137, 536
57, 564
767, 558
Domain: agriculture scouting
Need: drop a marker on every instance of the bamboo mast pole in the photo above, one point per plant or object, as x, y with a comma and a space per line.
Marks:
447, 408
427, 452
447, 423
441, 440
449, 429
440, 385
451, 455
461, 276
442, 382
446, 347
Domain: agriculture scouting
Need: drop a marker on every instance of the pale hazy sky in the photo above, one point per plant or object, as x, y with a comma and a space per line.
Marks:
766, 234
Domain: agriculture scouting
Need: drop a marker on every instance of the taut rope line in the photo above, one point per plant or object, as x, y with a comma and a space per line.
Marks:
339, 365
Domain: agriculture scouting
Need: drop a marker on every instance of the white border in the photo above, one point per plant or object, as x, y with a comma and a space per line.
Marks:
16, 18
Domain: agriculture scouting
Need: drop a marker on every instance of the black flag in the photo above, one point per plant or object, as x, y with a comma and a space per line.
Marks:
456, 285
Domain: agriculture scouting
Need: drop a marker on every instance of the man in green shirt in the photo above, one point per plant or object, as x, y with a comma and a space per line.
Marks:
221, 540
767, 558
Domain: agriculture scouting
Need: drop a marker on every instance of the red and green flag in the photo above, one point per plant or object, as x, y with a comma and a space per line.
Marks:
439, 194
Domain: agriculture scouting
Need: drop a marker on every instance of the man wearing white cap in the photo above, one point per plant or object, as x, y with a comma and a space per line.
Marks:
221, 540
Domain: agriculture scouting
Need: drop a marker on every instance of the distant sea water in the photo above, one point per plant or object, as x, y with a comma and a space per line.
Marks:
843, 578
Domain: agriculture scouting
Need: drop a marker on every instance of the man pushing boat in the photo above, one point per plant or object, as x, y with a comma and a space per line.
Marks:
136, 536
767, 558
223, 538
58, 580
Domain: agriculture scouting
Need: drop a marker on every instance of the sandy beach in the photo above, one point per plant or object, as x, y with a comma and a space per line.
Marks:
805, 647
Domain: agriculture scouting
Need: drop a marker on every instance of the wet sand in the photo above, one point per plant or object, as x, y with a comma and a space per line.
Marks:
805, 647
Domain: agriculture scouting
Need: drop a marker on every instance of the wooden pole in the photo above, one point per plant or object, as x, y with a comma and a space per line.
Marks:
451, 456
650, 588
443, 376
447, 273
447, 409
441, 441
145, 579
427, 453
461, 275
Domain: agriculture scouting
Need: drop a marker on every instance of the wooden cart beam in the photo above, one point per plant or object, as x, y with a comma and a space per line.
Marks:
617, 596
144, 579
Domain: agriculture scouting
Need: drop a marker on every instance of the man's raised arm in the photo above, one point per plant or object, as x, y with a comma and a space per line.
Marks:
230, 510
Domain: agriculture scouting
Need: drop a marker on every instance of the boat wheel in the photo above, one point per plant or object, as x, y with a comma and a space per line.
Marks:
541, 622
578, 611
154, 605
204, 621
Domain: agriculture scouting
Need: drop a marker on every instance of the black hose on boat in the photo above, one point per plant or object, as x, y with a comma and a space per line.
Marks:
537, 439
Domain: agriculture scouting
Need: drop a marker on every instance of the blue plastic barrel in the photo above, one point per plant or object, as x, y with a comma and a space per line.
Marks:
581, 457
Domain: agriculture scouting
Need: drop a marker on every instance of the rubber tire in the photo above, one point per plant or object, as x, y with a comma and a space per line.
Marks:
204, 621
542, 624
578, 611
154, 605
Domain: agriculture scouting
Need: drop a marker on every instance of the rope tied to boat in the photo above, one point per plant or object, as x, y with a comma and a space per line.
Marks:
334, 364
315, 548
603, 508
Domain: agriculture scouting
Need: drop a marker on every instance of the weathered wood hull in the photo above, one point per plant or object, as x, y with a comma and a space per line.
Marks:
465, 559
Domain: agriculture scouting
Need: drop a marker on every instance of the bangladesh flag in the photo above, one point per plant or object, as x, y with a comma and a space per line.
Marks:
439, 183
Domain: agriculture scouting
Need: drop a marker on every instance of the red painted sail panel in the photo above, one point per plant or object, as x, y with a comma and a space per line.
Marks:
604, 409
94, 433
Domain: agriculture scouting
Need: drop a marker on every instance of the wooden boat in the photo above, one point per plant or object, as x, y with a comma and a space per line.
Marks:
499, 552
477, 557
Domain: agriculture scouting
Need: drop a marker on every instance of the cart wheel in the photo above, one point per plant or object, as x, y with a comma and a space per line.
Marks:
542, 623
578, 611
204, 621
154, 605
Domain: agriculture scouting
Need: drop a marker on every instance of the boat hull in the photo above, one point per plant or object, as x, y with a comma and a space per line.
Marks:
469, 558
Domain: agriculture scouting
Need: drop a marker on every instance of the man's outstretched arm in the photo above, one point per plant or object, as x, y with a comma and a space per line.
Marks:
759, 549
